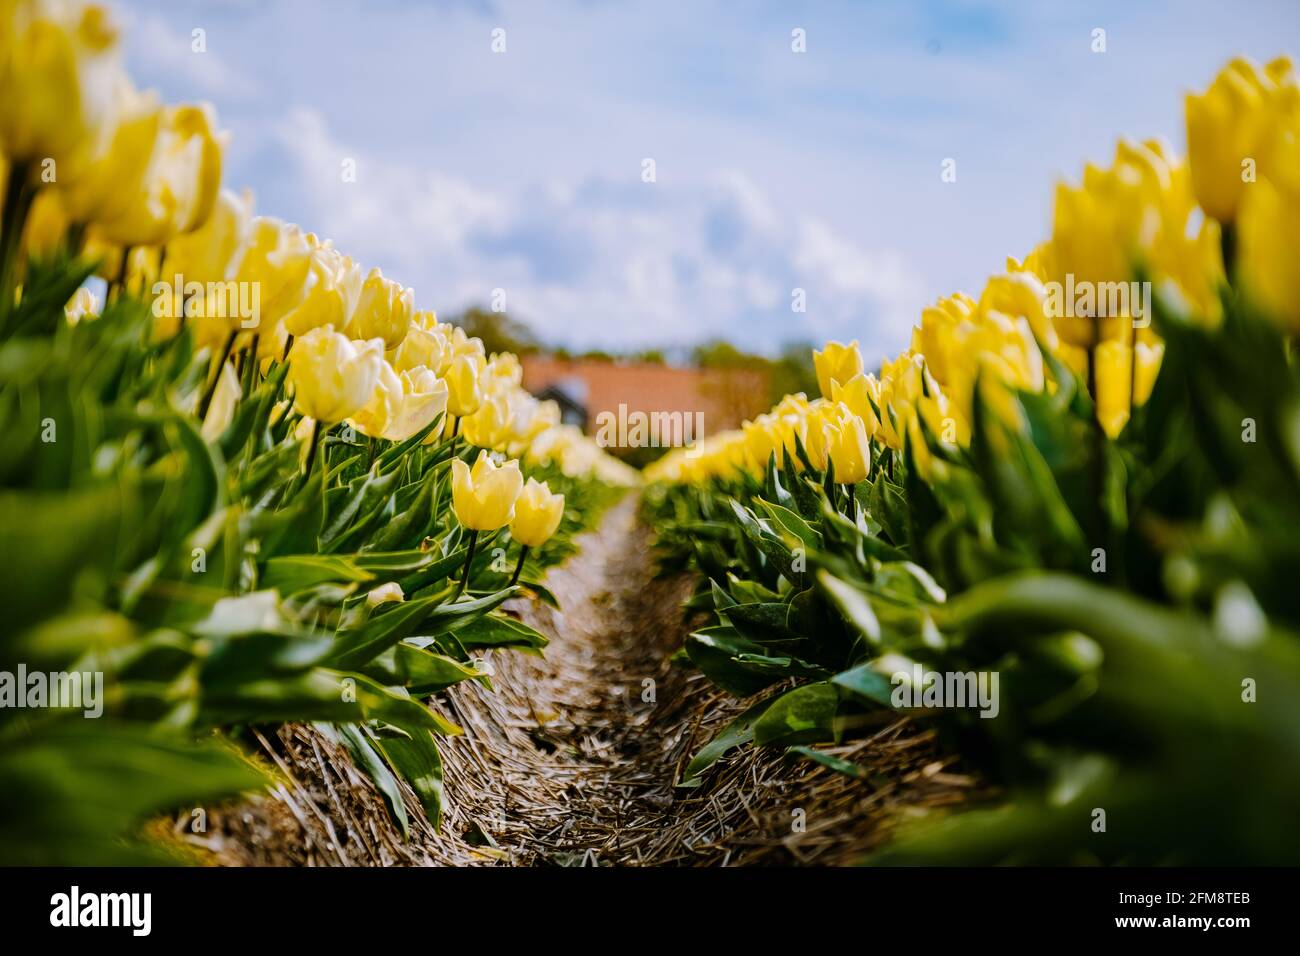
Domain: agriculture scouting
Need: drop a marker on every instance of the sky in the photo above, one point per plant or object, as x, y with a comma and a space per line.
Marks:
517, 176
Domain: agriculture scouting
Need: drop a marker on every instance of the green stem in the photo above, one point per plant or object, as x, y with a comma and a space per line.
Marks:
216, 377
519, 567
18, 202
469, 559
314, 443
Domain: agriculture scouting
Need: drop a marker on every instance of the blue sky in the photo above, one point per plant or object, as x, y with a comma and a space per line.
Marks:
521, 171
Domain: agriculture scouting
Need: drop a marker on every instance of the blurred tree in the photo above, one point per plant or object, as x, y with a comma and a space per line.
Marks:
499, 332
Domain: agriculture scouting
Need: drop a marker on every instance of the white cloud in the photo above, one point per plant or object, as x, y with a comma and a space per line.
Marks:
163, 50
601, 263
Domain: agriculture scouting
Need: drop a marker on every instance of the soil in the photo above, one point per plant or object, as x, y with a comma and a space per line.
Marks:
573, 757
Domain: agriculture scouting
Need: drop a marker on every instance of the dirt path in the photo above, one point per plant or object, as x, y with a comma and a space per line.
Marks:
573, 758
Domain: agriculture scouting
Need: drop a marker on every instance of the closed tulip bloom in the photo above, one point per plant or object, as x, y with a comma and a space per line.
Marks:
333, 376
1113, 374
1269, 231
1147, 368
836, 362
858, 394
424, 345
465, 392
113, 180
180, 186
58, 67
848, 448
1227, 126
537, 514
276, 260
484, 497
82, 305
489, 426
383, 310
333, 288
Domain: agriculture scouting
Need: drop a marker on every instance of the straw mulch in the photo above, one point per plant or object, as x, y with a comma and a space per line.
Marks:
573, 758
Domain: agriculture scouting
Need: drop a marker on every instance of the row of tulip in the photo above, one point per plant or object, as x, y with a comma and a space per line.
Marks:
1081, 481
254, 485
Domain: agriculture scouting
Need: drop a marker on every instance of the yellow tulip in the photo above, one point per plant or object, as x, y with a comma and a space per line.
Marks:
1228, 128
180, 186
465, 393
113, 180
333, 376
1269, 235
275, 261
1147, 367
333, 288
383, 310
401, 404
82, 305
848, 448
424, 345
537, 514
836, 362
483, 497
1114, 377
489, 426
858, 394
58, 69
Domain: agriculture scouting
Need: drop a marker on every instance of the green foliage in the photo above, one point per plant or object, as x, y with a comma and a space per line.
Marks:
1135, 597
213, 585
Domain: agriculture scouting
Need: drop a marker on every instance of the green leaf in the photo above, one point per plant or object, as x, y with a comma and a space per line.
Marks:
739, 731
416, 758
800, 716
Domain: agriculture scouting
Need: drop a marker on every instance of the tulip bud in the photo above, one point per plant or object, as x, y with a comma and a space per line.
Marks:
332, 376
483, 498
836, 362
465, 392
1113, 376
383, 310
537, 514
58, 68
848, 448
333, 289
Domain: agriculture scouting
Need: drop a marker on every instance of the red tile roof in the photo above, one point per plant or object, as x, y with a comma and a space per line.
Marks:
725, 396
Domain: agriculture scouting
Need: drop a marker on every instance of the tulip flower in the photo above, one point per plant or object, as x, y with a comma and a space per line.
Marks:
483, 499
113, 180
1114, 377
1269, 234
836, 362
402, 404
1228, 129
848, 449
82, 305
58, 68
332, 376
537, 517
465, 391
180, 185
383, 310
489, 427
332, 292
424, 345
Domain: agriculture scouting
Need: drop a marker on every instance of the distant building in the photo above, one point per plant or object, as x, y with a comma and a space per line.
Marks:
586, 389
